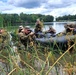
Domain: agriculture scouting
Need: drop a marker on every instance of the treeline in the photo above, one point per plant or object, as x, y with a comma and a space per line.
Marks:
26, 19
15, 19
66, 18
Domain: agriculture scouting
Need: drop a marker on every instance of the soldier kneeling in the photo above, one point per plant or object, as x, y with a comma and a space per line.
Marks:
26, 36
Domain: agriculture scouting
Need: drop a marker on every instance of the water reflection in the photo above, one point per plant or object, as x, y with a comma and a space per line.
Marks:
58, 26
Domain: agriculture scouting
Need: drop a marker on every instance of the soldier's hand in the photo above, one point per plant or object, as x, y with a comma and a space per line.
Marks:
31, 33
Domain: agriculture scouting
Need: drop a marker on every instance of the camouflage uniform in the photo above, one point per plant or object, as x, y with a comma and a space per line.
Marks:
26, 40
38, 27
4, 39
70, 28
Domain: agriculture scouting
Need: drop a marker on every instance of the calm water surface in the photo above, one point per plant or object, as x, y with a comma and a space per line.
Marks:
58, 26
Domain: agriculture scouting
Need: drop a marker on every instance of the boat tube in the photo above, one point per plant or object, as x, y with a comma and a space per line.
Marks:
43, 34
60, 39
57, 41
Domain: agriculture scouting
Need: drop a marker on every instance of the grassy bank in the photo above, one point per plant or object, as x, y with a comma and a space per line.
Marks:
38, 60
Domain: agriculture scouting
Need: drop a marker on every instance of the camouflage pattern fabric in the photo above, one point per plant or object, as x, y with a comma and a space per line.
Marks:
4, 39
26, 40
38, 27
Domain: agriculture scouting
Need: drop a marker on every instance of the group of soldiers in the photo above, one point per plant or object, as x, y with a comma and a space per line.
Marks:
27, 36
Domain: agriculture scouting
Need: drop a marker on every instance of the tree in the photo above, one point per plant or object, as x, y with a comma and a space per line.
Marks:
1, 21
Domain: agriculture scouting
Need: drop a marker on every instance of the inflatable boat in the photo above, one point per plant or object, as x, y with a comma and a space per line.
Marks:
60, 42
43, 34
60, 39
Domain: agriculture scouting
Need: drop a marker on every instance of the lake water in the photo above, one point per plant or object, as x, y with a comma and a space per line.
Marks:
58, 26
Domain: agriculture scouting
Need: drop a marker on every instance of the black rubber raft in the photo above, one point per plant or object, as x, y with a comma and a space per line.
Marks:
60, 42
58, 39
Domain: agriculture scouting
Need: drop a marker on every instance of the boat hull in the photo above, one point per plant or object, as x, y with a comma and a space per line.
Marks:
57, 42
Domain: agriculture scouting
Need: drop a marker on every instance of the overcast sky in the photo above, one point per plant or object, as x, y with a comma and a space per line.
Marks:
47, 7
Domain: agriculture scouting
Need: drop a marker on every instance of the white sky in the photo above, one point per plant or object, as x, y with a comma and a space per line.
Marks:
47, 7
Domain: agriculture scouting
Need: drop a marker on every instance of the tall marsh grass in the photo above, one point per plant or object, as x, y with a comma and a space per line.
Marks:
36, 62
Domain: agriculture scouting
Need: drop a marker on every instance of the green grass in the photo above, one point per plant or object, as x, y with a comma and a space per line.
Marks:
29, 61
37, 60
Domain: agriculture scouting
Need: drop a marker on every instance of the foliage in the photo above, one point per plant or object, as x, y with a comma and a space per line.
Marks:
66, 18
36, 62
1, 21
15, 19
40, 60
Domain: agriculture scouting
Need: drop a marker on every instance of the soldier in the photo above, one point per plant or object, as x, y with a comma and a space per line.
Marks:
20, 28
51, 30
70, 28
4, 38
26, 36
38, 26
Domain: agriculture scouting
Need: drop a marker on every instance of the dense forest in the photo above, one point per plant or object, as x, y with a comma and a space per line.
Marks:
26, 19
16, 19
66, 18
